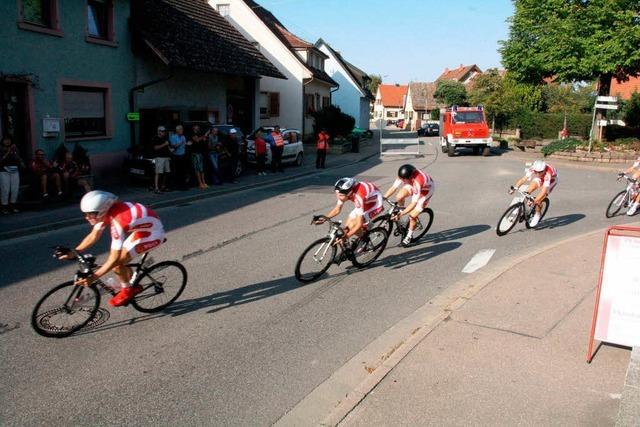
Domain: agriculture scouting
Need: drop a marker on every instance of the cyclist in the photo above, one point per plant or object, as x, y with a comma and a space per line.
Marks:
367, 200
417, 184
543, 176
634, 171
145, 232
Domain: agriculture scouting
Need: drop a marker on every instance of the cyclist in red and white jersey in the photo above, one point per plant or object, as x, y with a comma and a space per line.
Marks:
135, 229
367, 200
543, 176
634, 171
417, 184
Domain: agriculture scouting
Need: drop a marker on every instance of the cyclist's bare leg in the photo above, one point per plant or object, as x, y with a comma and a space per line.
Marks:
402, 194
121, 270
533, 187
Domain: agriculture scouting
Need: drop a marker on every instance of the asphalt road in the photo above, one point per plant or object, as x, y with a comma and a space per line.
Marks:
246, 342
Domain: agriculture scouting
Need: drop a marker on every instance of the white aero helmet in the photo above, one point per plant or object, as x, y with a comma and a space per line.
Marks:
98, 202
539, 166
345, 185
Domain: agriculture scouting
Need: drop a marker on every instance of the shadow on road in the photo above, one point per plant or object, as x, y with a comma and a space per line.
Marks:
414, 256
455, 233
559, 221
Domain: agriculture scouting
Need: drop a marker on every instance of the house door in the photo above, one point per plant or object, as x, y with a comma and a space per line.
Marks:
240, 106
14, 116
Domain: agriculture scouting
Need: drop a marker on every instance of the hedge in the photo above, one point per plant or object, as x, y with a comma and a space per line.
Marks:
547, 125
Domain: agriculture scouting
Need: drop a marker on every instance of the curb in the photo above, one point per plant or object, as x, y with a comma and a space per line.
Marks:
629, 412
26, 231
330, 402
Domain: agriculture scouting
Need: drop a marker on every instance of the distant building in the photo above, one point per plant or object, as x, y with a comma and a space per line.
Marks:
389, 103
419, 103
624, 90
463, 74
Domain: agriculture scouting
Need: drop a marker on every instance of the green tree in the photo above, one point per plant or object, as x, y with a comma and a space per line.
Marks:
632, 110
374, 82
567, 98
488, 90
573, 40
450, 92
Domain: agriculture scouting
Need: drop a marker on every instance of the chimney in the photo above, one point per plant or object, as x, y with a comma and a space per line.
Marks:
446, 69
461, 66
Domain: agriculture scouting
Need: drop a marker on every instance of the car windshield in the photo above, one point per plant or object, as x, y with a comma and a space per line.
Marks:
468, 117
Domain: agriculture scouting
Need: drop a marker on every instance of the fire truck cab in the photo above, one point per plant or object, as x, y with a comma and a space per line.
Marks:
464, 127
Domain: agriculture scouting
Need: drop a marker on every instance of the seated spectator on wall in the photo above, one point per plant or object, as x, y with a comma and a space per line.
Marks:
10, 164
45, 173
71, 175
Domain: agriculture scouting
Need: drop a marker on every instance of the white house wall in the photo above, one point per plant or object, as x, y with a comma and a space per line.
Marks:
253, 29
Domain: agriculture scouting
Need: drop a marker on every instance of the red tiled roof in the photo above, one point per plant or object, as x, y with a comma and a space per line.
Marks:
625, 89
293, 40
459, 73
392, 95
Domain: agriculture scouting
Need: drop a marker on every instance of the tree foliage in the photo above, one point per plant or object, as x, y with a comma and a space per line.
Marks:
567, 98
374, 82
451, 92
631, 111
333, 120
573, 40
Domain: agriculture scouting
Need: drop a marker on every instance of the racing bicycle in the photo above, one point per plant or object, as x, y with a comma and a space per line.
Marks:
624, 198
424, 221
520, 211
319, 255
68, 308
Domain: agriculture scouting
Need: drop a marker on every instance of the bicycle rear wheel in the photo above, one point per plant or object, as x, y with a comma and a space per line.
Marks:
162, 284
508, 219
425, 219
315, 260
64, 310
369, 247
616, 204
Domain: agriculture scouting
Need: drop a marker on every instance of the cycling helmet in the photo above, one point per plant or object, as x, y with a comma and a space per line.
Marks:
97, 202
539, 166
345, 185
406, 171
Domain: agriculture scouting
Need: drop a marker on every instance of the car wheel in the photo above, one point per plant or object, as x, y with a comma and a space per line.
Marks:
299, 159
451, 150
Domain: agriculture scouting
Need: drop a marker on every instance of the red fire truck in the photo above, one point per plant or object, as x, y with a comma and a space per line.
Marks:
464, 127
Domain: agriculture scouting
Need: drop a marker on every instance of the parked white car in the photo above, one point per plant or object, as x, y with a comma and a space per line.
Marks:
293, 150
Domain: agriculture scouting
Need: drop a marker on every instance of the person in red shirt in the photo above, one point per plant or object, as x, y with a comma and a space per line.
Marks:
43, 170
322, 146
261, 153
135, 229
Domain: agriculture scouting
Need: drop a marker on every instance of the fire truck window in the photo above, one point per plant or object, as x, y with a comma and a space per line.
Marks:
468, 117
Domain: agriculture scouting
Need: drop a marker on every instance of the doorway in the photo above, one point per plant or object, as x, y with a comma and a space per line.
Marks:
14, 116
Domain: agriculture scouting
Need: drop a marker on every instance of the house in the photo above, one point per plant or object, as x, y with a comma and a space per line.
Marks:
463, 74
624, 90
72, 71
307, 88
353, 96
389, 103
419, 103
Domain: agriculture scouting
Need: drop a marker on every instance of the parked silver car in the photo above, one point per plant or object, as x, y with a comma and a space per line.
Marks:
293, 149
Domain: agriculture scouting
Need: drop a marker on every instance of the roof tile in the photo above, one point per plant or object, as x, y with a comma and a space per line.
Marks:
392, 95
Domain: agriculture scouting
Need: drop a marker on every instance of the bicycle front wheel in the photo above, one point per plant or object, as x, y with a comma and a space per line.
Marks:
315, 260
425, 219
616, 204
509, 219
162, 284
369, 247
64, 310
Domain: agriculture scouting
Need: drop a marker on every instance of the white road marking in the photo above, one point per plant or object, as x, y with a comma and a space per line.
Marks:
479, 260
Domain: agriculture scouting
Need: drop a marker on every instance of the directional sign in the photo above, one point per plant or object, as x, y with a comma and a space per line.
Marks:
607, 99
601, 122
607, 106
133, 117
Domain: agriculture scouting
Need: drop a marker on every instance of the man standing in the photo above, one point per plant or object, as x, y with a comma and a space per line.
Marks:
278, 148
161, 159
322, 145
179, 145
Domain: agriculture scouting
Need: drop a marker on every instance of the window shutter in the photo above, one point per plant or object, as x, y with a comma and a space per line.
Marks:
274, 104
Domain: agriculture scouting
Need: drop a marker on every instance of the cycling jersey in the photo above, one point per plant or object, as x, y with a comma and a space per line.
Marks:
421, 188
368, 200
636, 164
141, 223
549, 179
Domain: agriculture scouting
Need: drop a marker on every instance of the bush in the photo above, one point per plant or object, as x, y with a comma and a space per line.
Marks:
547, 125
625, 144
334, 121
569, 144
614, 132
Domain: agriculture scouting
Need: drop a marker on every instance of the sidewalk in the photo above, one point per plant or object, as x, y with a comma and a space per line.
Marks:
30, 222
511, 351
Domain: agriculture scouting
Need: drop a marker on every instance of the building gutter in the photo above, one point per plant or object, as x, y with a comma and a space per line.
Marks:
132, 106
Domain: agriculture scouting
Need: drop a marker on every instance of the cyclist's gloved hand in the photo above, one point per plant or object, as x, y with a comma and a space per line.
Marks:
620, 174
62, 252
318, 219
512, 189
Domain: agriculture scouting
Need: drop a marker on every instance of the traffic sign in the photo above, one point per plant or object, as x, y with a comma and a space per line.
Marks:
607, 99
133, 117
607, 106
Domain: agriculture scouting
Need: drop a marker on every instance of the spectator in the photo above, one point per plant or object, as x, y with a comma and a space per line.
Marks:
161, 159
70, 172
179, 146
44, 172
213, 148
233, 147
277, 149
10, 162
261, 153
198, 148
322, 146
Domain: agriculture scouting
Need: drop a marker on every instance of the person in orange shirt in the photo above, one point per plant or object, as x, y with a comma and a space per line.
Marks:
322, 145
278, 148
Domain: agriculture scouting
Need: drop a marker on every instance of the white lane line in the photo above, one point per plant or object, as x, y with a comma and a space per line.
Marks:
479, 260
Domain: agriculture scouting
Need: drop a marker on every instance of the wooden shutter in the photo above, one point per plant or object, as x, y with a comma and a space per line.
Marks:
274, 104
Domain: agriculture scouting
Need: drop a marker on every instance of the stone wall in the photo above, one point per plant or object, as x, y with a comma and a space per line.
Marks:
604, 157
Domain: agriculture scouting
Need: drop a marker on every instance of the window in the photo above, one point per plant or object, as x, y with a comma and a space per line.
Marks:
39, 15
269, 104
392, 114
325, 101
223, 10
308, 105
318, 104
100, 19
85, 111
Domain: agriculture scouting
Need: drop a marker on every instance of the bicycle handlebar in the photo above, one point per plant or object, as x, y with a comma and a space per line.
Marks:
525, 194
627, 177
325, 218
